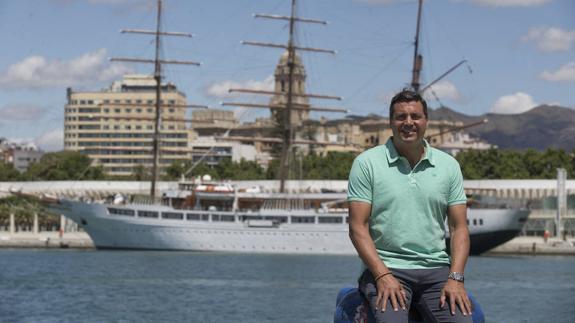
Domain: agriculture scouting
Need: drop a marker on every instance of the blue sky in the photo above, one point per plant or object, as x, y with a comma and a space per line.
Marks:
520, 53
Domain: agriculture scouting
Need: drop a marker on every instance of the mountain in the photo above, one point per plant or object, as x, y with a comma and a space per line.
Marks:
542, 127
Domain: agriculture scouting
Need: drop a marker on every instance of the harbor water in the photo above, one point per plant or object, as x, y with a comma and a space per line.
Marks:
40, 285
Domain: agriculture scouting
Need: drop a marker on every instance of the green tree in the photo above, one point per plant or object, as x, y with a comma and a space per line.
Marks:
141, 173
509, 164
23, 209
334, 165
64, 165
242, 170
9, 173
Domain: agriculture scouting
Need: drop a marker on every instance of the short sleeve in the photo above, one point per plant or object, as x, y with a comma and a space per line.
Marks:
359, 186
456, 192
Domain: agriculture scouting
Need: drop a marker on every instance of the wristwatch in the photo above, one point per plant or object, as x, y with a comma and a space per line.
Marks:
456, 276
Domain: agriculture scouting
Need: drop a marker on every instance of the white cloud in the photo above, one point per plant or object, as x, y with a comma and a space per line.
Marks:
52, 140
510, 3
443, 90
21, 112
565, 73
513, 104
550, 39
221, 89
36, 72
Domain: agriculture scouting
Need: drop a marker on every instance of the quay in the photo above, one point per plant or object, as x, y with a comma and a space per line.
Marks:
528, 245
46, 239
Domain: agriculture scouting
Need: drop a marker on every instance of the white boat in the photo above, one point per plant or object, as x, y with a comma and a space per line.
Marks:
206, 219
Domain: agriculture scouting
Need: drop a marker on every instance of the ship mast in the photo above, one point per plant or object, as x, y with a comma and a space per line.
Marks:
158, 78
287, 128
416, 75
417, 58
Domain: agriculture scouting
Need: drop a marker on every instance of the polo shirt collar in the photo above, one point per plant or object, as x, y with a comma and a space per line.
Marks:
392, 154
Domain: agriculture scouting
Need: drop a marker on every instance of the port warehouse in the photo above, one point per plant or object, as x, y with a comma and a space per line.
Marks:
538, 195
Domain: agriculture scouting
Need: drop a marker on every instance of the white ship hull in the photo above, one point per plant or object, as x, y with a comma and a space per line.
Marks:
488, 228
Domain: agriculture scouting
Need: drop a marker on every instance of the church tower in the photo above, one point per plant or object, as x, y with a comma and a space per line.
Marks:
281, 76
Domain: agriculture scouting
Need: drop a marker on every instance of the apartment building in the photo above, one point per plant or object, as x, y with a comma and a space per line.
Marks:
115, 126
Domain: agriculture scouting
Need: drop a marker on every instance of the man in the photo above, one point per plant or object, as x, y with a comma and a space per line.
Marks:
399, 196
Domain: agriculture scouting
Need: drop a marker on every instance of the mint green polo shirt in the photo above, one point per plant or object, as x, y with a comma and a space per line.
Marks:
408, 206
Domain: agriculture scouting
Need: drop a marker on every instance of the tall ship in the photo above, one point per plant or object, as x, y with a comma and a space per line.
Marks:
207, 215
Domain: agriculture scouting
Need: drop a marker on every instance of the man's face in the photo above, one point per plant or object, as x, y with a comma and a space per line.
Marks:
408, 122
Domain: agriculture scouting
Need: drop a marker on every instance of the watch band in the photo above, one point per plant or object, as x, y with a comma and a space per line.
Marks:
457, 276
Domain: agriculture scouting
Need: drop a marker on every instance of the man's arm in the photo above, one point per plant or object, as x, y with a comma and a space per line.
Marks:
387, 286
454, 290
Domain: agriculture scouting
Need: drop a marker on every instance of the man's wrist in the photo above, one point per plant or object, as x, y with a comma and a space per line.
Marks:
378, 277
457, 276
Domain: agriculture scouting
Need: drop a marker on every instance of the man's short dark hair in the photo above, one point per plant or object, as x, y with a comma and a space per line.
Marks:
407, 96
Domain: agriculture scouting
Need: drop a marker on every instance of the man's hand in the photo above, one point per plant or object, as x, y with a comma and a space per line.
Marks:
389, 288
455, 292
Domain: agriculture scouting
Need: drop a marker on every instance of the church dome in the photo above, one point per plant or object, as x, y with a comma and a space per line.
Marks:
284, 59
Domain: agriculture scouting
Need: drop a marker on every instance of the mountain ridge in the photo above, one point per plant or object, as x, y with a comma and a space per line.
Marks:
545, 126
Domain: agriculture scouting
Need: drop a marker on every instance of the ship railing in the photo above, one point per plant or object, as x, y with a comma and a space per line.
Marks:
147, 200
491, 202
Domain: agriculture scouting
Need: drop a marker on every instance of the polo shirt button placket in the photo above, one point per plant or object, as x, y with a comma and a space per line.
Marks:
411, 179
